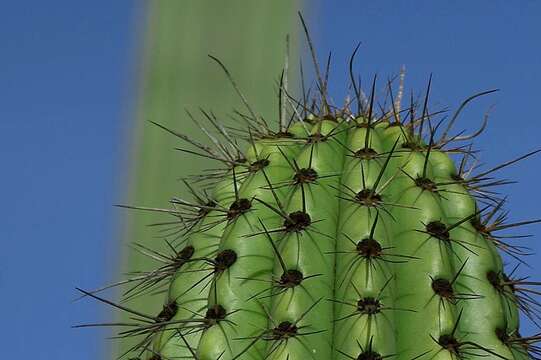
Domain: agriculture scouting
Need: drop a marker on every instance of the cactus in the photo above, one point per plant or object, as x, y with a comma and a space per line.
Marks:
339, 234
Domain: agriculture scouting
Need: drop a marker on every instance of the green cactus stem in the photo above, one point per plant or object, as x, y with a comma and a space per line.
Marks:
342, 234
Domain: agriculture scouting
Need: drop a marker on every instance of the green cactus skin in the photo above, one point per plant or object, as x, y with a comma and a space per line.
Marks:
340, 236
344, 237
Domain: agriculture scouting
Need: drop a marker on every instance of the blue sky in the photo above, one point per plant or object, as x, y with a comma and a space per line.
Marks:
66, 74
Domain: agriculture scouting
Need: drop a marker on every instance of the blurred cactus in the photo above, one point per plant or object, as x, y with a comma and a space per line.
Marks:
178, 76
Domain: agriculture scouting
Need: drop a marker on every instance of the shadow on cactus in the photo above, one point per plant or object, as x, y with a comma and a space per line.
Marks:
341, 233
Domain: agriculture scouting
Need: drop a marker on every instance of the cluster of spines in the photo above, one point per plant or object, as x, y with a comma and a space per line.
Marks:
330, 225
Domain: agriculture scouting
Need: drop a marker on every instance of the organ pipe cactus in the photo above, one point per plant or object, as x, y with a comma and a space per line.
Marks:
339, 234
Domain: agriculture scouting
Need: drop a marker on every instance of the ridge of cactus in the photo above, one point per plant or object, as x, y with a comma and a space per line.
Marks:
364, 232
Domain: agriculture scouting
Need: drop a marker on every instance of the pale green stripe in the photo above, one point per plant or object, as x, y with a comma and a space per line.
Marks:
249, 37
